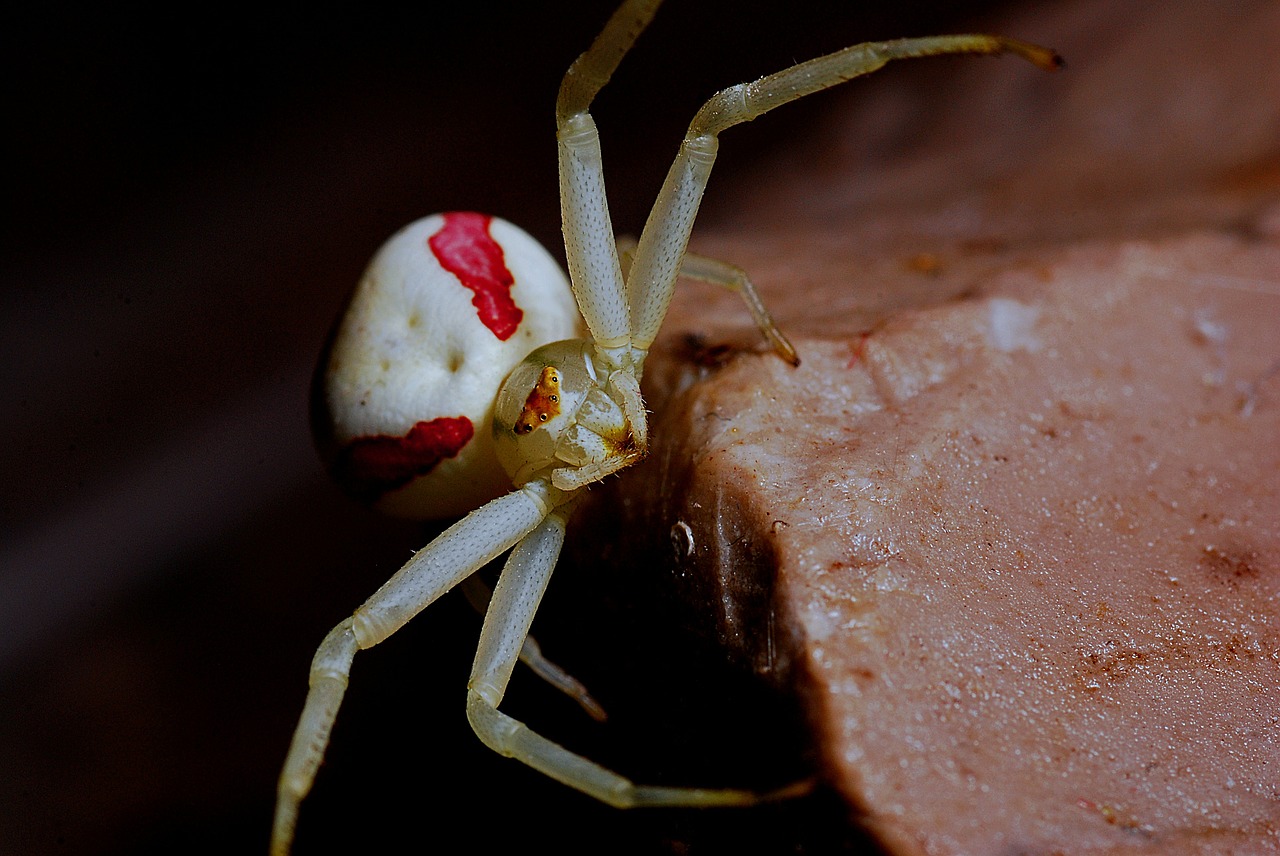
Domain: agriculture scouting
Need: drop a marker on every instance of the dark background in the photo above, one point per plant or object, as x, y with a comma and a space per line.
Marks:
192, 193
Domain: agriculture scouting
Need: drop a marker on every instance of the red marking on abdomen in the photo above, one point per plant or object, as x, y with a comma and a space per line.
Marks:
369, 467
465, 248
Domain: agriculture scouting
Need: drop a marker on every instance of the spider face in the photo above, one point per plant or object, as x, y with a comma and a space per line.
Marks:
553, 411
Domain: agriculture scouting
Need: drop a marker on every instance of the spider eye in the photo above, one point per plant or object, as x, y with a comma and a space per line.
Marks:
542, 405
539, 406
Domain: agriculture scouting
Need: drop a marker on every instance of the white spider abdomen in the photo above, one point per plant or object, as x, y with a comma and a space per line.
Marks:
448, 306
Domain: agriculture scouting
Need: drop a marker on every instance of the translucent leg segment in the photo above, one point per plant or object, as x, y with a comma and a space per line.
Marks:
511, 611
732, 277
588, 231
478, 595
666, 233
456, 554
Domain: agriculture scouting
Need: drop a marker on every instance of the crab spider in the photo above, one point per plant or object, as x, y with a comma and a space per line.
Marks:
414, 366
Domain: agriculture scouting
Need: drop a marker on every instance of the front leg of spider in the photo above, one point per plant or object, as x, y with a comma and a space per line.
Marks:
457, 553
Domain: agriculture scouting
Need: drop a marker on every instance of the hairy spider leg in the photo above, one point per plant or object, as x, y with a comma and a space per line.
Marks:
665, 238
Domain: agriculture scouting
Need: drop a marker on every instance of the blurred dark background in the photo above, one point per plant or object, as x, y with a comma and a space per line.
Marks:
192, 193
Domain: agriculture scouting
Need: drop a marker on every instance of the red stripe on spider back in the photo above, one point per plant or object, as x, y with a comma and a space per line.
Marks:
465, 248
369, 467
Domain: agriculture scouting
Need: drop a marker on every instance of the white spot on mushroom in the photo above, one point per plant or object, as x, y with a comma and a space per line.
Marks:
1011, 326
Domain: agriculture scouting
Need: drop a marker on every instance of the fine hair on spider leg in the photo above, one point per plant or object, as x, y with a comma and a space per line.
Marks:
459, 382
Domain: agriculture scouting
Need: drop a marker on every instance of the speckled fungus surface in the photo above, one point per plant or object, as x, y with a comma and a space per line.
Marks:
1017, 513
